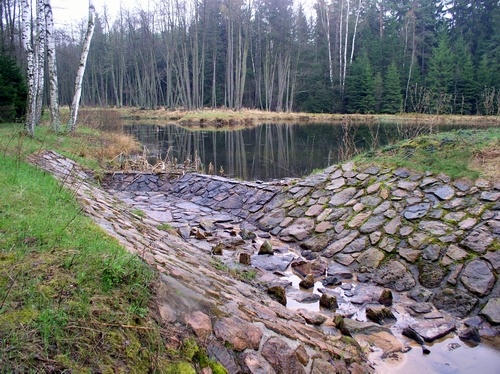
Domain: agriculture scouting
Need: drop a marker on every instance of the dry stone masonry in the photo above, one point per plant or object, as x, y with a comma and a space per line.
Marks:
367, 233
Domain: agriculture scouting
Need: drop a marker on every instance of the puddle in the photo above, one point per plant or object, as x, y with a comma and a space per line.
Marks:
482, 359
448, 355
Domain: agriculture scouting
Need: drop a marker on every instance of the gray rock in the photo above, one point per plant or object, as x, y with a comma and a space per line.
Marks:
453, 254
335, 184
317, 243
339, 245
432, 330
430, 274
392, 227
420, 308
477, 277
436, 228
237, 332
339, 271
409, 254
266, 248
256, 365
431, 252
281, 356
445, 192
490, 196
373, 224
300, 229
493, 257
416, 211
272, 263
356, 246
456, 302
365, 328
478, 240
395, 275
272, 220
371, 258
420, 294
492, 310
343, 196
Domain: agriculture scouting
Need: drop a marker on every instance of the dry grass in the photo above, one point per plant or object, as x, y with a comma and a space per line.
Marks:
488, 162
221, 118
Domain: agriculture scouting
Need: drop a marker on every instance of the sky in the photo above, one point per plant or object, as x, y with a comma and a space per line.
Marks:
67, 12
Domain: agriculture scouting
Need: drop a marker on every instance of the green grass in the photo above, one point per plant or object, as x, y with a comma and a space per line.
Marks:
449, 153
71, 298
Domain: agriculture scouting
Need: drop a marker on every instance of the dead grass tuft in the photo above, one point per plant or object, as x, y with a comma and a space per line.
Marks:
488, 162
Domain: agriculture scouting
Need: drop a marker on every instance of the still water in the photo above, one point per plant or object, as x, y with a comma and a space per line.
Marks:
272, 151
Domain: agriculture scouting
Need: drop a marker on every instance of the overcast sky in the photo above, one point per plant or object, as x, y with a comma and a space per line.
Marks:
67, 12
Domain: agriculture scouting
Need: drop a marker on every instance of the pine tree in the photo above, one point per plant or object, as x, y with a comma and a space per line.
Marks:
393, 98
378, 92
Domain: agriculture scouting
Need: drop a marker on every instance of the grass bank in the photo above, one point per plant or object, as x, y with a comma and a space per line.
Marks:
71, 298
228, 118
459, 154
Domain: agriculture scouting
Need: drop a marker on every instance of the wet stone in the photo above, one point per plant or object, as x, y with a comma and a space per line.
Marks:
477, 277
281, 356
272, 263
493, 257
492, 310
371, 258
456, 302
420, 294
409, 254
395, 275
339, 271
431, 252
430, 330
430, 274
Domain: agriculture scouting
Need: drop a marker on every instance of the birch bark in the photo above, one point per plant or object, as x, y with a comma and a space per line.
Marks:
81, 68
30, 62
51, 60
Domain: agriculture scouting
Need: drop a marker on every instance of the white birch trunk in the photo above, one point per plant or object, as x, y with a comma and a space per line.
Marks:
30, 62
51, 60
360, 4
40, 57
81, 68
345, 44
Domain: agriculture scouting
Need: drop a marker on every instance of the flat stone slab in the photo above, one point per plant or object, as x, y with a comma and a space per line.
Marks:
492, 310
272, 262
430, 330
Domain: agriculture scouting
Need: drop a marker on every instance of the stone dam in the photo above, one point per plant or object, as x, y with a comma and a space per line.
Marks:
365, 234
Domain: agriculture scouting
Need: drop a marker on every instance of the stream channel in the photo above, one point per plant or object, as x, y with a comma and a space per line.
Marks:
276, 151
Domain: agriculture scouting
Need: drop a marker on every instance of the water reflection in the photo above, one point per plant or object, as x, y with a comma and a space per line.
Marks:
271, 151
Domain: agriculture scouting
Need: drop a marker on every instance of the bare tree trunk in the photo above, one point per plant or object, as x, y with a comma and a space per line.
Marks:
31, 68
51, 59
81, 68
360, 4
40, 57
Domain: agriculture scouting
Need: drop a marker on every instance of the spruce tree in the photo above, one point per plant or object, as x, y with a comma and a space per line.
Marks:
440, 76
465, 86
393, 98
359, 87
13, 90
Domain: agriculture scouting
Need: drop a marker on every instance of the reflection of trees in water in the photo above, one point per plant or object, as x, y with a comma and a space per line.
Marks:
272, 151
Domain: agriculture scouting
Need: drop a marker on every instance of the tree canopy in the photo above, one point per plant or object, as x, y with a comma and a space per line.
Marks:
354, 56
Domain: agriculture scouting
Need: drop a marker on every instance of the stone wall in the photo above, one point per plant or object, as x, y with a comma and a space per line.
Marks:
436, 238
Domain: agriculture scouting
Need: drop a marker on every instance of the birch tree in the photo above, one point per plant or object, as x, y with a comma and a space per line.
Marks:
51, 61
26, 37
81, 68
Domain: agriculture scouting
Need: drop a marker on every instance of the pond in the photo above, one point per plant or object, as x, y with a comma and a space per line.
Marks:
272, 151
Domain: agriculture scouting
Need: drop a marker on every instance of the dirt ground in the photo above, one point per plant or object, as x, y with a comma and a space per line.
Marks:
488, 161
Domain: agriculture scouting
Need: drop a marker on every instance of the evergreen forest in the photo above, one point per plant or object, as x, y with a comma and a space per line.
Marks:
336, 56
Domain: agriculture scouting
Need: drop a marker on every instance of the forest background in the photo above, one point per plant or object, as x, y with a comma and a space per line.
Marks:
347, 56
